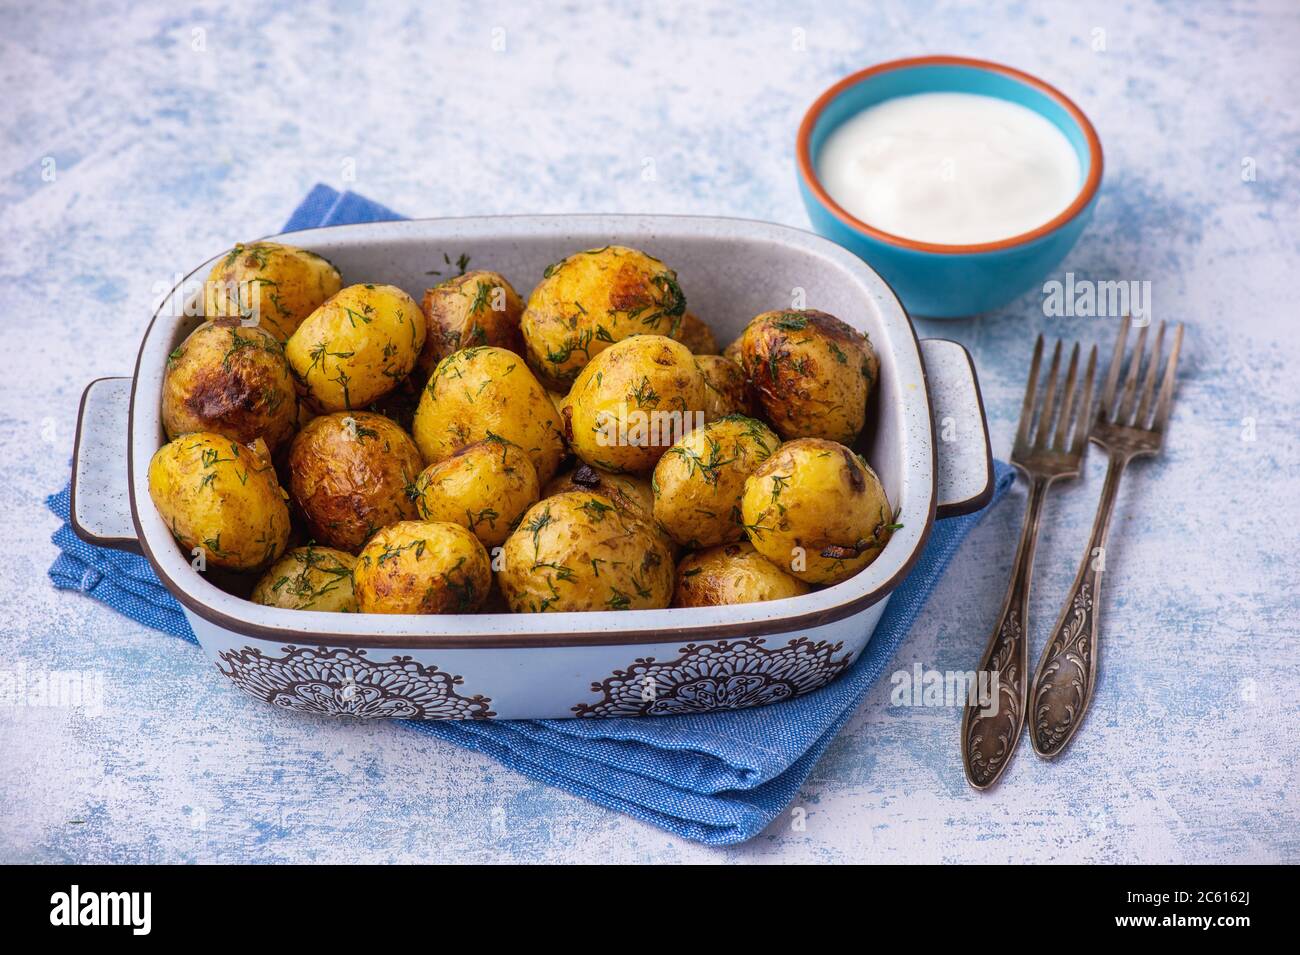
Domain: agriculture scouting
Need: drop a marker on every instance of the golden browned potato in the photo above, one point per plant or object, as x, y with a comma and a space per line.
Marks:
817, 510
592, 299
309, 578
221, 500
485, 486
477, 308
632, 402
728, 391
351, 473
732, 574
422, 567
697, 336
268, 284
698, 483
577, 551
357, 346
478, 392
810, 372
233, 381
630, 493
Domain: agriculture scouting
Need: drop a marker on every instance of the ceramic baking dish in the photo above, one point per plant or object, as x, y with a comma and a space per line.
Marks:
511, 666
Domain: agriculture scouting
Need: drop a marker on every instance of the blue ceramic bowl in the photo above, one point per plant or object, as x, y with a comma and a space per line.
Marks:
931, 279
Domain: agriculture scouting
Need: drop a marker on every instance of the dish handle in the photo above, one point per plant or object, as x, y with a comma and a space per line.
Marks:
963, 457
100, 508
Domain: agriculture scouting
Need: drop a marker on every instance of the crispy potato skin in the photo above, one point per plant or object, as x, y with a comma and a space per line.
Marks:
350, 474
478, 392
699, 481
632, 401
816, 509
811, 374
357, 346
477, 308
233, 381
279, 285
728, 389
422, 567
630, 493
697, 336
309, 578
485, 487
222, 496
577, 551
732, 574
593, 299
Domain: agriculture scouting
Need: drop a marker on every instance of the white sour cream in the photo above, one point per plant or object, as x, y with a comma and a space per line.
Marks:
950, 168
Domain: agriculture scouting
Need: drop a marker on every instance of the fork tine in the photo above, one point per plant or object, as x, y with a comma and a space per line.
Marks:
1131, 379
1083, 421
1167, 385
1027, 410
1063, 419
1149, 381
1107, 403
1049, 400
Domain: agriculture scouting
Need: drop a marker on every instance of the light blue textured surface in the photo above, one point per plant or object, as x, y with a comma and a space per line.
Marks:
164, 153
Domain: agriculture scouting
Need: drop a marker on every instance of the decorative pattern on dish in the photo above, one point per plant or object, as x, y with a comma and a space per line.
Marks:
727, 675
346, 683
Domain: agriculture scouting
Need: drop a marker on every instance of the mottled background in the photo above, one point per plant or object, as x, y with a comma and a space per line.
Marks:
174, 133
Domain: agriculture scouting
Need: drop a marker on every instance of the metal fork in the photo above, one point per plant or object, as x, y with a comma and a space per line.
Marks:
1067, 672
989, 735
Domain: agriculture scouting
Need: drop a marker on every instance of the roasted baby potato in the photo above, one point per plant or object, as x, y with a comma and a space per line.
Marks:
577, 551
632, 402
732, 574
592, 299
811, 373
485, 486
479, 392
357, 346
350, 474
477, 308
817, 510
233, 381
728, 391
630, 493
422, 567
697, 336
309, 578
271, 285
220, 498
698, 482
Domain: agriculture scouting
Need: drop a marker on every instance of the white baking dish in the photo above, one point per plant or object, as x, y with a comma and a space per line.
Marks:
565, 664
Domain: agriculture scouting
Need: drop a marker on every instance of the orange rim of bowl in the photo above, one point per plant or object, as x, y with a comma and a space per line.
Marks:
803, 151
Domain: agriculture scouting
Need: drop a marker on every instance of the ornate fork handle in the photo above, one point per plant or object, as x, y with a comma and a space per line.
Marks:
989, 734
1067, 670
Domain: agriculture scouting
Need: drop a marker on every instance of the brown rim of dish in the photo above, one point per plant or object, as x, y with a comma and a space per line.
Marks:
598, 635
803, 154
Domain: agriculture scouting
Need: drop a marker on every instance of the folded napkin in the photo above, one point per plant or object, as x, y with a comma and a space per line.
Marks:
718, 778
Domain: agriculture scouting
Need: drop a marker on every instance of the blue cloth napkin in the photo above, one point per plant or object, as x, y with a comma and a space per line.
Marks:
718, 778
